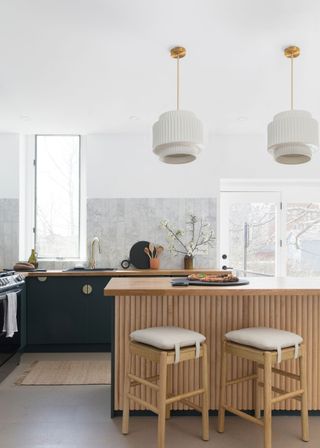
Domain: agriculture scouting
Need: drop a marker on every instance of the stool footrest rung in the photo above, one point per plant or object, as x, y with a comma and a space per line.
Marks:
243, 415
287, 396
280, 391
242, 379
137, 381
192, 405
184, 395
293, 376
144, 403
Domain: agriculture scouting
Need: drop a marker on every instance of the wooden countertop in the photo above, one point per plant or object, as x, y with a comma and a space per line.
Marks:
258, 286
121, 273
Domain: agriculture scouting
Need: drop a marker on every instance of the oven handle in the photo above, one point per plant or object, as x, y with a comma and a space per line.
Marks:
4, 296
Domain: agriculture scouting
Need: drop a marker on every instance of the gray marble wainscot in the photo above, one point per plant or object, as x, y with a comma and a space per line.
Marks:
9, 232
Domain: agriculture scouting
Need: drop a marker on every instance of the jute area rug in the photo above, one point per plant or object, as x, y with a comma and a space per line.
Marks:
61, 373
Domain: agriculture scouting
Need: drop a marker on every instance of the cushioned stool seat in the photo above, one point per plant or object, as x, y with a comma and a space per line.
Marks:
169, 338
265, 339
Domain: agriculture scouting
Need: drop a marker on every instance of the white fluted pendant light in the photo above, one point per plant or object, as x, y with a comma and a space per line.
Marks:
293, 135
178, 134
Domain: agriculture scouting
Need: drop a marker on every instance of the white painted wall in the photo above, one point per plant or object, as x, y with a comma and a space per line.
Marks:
121, 165
9, 166
125, 166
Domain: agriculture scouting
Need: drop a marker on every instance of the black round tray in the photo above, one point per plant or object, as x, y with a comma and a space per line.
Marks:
187, 282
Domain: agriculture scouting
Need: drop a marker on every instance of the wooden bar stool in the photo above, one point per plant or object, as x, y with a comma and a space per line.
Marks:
166, 346
266, 347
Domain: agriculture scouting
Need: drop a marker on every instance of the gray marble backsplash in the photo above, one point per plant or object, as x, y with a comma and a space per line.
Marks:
9, 232
119, 223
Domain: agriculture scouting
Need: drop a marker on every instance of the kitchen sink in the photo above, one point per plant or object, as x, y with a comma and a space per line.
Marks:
81, 269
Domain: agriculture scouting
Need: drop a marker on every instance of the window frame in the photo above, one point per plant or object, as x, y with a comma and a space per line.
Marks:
28, 193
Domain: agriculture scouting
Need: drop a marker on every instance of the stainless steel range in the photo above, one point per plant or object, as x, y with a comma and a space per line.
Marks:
10, 281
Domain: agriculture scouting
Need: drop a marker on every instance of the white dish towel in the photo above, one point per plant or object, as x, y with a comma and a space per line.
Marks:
10, 325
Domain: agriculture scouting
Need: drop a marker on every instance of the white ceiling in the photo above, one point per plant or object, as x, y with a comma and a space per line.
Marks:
89, 65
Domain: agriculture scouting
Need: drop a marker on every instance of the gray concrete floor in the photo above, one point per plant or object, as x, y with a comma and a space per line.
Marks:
78, 416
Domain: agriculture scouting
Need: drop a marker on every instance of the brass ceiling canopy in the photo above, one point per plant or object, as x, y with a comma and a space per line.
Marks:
292, 51
178, 52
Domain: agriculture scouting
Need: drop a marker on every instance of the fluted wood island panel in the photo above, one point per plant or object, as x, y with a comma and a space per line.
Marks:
285, 304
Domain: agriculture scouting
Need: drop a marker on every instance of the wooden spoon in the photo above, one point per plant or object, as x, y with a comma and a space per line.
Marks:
146, 251
151, 249
159, 250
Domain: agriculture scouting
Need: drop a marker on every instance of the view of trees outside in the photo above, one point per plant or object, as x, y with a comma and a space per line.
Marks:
252, 237
252, 230
57, 196
303, 239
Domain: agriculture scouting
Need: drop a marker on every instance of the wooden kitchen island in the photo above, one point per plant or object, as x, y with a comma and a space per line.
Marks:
284, 303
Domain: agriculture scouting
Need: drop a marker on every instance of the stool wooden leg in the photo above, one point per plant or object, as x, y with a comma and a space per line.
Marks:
304, 398
257, 392
205, 396
169, 389
267, 399
126, 401
162, 394
223, 379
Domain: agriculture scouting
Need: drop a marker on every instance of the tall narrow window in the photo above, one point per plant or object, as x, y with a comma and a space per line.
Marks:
57, 196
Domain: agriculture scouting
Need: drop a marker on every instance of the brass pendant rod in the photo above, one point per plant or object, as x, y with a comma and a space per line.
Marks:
292, 52
178, 83
291, 82
178, 53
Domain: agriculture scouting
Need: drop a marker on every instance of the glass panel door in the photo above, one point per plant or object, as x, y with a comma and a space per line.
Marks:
249, 223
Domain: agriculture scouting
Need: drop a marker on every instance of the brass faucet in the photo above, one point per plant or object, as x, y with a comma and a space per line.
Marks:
92, 260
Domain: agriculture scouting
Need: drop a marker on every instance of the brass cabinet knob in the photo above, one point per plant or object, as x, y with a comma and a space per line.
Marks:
87, 289
42, 279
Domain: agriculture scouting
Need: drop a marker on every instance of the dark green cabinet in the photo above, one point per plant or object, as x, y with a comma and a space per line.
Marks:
68, 310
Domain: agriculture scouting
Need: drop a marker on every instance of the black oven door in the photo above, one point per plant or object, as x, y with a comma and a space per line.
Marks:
9, 346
